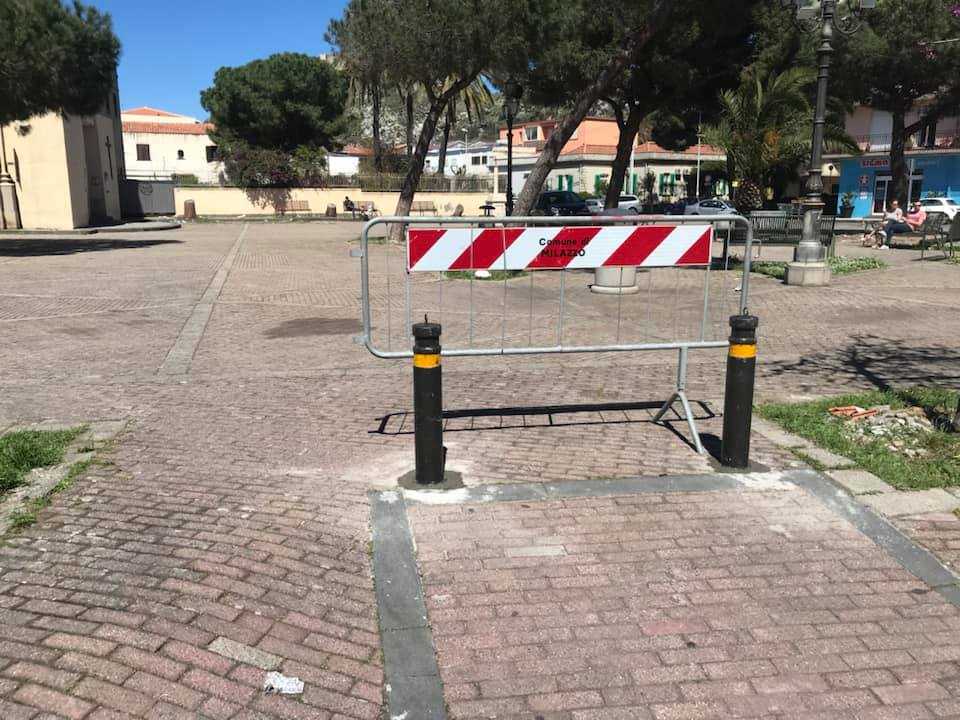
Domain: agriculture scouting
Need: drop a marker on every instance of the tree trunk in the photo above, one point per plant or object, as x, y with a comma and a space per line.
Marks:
377, 143
585, 100
409, 104
625, 143
415, 168
898, 163
442, 161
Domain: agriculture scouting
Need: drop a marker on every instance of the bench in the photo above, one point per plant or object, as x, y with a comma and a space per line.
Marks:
293, 206
936, 231
423, 206
777, 227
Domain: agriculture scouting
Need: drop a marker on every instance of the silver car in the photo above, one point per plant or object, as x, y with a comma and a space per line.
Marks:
629, 202
594, 205
711, 206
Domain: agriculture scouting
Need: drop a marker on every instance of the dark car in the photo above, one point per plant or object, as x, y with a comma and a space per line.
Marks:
561, 202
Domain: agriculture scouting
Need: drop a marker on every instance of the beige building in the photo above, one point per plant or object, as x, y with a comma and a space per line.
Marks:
584, 162
65, 172
160, 145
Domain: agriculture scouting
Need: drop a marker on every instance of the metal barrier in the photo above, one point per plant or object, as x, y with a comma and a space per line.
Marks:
478, 321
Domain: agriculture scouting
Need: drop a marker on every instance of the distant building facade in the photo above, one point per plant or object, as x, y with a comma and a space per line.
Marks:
161, 144
463, 158
65, 172
584, 162
932, 155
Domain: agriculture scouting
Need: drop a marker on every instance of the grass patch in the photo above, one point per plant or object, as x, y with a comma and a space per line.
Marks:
838, 265
21, 452
495, 275
938, 466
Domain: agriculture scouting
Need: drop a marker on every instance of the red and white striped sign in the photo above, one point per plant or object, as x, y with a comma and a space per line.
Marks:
544, 248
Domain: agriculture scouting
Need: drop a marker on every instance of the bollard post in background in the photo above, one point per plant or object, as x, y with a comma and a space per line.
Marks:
738, 395
427, 404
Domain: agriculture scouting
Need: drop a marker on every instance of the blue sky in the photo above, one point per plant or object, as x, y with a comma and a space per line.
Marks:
171, 49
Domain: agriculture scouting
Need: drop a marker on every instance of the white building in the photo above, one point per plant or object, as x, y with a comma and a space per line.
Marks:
160, 144
346, 162
476, 158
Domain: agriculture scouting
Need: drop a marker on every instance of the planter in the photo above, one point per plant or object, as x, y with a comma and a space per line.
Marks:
846, 211
615, 281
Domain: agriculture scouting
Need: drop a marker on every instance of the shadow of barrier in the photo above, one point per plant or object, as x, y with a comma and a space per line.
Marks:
529, 417
502, 287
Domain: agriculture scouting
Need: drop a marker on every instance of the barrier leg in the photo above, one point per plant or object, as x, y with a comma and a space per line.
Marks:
681, 394
738, 395
427, 404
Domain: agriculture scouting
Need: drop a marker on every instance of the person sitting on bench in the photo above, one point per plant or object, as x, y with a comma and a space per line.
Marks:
348, 206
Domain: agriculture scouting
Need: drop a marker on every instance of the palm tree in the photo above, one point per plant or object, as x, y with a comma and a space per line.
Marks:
764, 129
475, 98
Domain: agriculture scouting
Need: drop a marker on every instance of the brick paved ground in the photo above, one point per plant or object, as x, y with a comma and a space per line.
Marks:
235, 502
689, 605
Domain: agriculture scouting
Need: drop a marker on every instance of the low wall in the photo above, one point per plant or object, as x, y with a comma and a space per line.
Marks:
216, 200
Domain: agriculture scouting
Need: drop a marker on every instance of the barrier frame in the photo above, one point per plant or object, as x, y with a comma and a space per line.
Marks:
683, 347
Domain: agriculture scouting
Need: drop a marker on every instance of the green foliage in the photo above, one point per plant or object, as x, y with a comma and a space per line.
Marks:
21, 452
54, 59
838, 265
938, 466
282, 102
764, 127
274, 118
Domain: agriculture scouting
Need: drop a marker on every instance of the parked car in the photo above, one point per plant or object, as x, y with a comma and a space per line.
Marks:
594, 205
629, 202
711, 206
560, 202
947, 206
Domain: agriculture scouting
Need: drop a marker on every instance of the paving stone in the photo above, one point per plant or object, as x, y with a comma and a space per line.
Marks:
860, 482
913, 502
245, 654
256, 462
777, 435
826, 458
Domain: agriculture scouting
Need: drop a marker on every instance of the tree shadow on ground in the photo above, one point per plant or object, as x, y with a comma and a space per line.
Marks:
868, 362
70, 246
529, 417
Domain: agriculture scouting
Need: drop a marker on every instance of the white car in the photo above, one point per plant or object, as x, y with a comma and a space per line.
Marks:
711, 206
947, 206
629, 202
594, 205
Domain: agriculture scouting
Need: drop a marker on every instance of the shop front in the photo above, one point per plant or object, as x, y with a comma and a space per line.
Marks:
869, 180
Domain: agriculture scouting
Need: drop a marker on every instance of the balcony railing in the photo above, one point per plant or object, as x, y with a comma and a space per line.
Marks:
917, 141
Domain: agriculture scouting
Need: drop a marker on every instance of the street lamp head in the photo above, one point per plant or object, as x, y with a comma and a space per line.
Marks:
512, 89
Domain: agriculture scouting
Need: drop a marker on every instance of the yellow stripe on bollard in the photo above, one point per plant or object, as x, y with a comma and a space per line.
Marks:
743, 351
426, 361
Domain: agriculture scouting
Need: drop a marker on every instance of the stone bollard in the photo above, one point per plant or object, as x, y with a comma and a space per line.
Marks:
189, 210
331, 210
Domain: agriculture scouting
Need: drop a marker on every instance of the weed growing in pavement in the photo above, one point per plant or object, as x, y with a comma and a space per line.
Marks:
902, 456
21, 452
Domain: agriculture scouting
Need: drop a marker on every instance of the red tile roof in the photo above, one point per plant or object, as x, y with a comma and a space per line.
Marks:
647, 147
151, 111
166, 128
356, 150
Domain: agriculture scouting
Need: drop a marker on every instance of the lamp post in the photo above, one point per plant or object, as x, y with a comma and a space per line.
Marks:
824, 17
512, 92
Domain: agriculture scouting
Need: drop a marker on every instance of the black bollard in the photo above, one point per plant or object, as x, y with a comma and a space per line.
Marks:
427, 404
738, 396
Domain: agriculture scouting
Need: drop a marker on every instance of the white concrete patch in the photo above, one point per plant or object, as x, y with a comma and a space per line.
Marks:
390, 496
772, 480
438, 497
